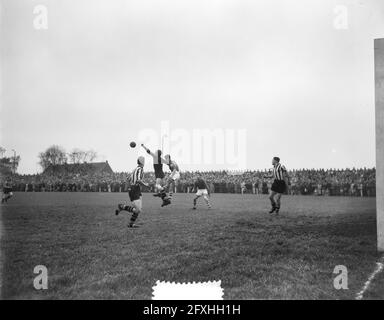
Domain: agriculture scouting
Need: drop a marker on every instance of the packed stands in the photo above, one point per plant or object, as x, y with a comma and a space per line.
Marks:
100, 178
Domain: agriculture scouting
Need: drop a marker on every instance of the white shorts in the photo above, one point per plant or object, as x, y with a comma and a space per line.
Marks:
202, 192
175, 175
138, 204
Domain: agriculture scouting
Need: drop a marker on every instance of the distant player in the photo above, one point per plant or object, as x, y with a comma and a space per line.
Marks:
279, 186
201, 188
134, 191
7, 191
243, 187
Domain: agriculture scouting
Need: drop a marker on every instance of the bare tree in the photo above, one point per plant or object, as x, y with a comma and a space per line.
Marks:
91, 155
76, 156
9, 165
54, 155
81, 156
15, 163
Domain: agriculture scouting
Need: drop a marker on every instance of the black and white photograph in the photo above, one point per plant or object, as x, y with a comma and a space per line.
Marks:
181, 150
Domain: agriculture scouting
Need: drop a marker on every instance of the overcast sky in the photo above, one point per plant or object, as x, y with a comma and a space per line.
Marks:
293, 74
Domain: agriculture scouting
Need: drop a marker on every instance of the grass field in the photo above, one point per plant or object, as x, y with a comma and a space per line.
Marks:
90, 253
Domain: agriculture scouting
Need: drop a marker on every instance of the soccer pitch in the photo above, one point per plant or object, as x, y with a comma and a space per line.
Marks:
90, 253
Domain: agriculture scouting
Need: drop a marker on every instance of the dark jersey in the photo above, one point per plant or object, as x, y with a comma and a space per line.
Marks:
200, 184
7, 187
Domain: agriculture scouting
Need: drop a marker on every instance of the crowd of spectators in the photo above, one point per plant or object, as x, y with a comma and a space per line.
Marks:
333, 182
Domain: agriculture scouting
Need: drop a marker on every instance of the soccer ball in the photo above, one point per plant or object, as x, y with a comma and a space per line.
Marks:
132, 144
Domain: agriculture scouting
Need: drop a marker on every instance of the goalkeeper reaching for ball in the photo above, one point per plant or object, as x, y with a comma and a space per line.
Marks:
158, 162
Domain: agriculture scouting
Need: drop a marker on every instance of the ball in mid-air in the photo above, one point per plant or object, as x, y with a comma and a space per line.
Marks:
132, 144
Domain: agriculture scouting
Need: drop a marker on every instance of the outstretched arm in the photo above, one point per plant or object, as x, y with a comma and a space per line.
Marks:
148, 151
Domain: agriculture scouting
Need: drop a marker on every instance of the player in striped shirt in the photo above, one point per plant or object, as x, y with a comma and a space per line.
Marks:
279, 186
134, 191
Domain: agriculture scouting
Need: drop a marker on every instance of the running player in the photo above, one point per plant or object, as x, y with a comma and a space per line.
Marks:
201, 188
7, 191
135, 180
280, 183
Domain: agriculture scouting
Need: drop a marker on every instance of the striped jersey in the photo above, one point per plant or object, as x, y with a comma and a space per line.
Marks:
136, 175
278, 171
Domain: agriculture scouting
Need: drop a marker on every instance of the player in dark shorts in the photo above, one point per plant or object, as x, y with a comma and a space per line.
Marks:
135, 181
7, 191
279, 185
